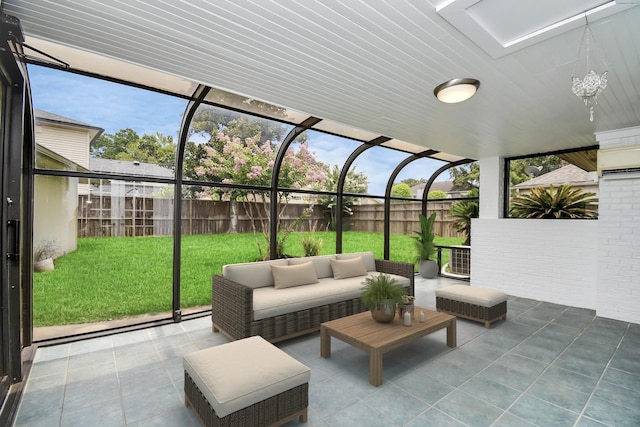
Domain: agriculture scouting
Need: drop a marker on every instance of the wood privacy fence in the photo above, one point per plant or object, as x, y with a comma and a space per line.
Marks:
148, 216
403, 218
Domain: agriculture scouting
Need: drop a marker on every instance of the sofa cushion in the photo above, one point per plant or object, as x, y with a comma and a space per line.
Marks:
269, 302
286, 276
252, 274
320, 262
343, 269
242, 373
368, 258
472, 294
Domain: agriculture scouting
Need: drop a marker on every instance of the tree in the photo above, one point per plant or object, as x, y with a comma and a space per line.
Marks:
210, 120
355, 182
562, 202
401, 190
465, 176
463, 211
108, 146
544, 163
412, 182
251, 162
125, 144
437, 194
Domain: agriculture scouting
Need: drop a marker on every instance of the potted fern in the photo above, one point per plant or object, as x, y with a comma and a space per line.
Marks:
381, 294
425, 247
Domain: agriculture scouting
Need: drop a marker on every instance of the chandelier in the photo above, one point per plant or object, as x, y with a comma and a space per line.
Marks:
592, 83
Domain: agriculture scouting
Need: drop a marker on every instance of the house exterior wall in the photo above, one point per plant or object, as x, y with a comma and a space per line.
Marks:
619, 237
55, 212
547, 260
69, 142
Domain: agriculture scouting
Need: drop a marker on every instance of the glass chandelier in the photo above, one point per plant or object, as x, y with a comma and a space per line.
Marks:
592, 83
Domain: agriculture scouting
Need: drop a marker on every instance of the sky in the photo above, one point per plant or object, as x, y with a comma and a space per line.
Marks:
114, 107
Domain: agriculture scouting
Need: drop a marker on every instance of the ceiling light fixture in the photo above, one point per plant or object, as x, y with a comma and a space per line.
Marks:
456, 90
589, 87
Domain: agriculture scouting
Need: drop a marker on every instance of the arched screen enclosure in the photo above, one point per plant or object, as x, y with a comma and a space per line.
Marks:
145, 185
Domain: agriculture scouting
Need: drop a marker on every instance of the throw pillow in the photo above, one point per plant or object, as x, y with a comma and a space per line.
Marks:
286, 276
368, 258
353, 267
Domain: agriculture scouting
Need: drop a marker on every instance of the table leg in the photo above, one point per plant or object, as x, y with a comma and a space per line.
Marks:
451, 333
325, 342
375, 367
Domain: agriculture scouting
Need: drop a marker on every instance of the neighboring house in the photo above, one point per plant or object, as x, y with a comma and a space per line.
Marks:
63, 144
131, 168
570, 174
67, 137
448, 187
126, 208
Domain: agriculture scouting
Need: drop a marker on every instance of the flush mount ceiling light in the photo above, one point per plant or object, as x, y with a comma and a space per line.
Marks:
456, 90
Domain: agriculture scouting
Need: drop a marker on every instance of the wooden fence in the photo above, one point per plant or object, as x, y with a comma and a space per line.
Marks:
403, 218
147, 216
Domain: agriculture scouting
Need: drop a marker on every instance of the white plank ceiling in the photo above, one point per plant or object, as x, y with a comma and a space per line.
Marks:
373, 64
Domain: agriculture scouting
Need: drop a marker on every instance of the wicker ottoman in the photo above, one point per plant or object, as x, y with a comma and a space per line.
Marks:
471, 302
249, 382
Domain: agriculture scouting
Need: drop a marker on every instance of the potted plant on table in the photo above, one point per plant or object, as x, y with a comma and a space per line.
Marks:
425, 247
408, 302
382, 294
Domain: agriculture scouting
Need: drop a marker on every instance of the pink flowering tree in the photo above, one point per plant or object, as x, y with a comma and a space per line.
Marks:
250, 162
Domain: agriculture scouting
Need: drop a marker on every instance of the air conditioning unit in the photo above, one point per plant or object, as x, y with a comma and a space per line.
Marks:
619, 162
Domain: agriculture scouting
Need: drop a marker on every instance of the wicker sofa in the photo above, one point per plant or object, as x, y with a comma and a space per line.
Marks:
248, 299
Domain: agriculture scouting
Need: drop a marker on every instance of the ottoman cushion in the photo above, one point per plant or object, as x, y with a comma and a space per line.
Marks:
473, 295
241, 373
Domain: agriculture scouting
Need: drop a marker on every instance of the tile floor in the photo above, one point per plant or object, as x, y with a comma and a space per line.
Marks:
547, 365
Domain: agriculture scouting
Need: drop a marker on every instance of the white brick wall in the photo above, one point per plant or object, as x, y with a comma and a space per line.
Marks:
580, 263
618, 295
547, 260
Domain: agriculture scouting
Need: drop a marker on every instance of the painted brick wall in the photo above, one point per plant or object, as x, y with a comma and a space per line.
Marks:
618, 294
547, 260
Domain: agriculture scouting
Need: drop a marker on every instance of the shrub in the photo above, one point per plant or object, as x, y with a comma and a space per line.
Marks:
562, 202
311, 245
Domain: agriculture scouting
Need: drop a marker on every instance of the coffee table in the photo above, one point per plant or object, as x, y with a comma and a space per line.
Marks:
361, 331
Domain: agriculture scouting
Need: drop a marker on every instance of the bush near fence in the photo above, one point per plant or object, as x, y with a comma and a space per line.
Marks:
148, 216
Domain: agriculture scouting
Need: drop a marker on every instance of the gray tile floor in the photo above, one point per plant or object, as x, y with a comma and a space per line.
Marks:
547, 365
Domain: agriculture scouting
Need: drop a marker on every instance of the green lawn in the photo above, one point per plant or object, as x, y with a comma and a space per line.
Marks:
110, 278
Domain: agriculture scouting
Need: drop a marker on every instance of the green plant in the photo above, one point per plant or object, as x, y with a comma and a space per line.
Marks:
462, 212
311, 245
562, 202
424, 238
381, 288
46, 249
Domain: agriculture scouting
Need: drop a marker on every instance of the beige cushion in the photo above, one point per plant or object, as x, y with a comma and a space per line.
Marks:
285, 276
368, 258
271, 302
252, 274
320, 262
343, 269
242, 373
472, 294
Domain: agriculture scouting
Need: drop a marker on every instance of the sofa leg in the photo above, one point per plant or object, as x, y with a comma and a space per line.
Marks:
214, 328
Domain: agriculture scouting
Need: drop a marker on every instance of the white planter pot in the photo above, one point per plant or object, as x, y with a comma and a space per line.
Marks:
44, 265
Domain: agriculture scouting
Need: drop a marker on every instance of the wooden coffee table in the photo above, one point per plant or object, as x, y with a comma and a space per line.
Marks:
361, 331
